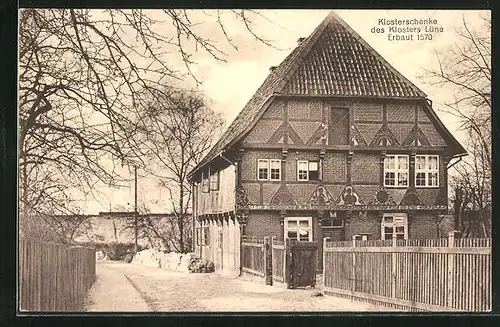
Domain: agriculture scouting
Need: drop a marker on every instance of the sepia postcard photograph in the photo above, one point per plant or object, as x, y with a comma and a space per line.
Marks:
247, 160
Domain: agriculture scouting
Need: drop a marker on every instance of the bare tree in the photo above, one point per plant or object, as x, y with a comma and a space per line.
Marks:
84, 76
465, 68
180, 129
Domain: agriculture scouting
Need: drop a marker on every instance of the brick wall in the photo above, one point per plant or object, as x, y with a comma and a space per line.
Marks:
365, 168
305, 109
263, 223
401, 112
358, 224
423, 225
275, 110
368, 111
335, 167
262, 131
249, 162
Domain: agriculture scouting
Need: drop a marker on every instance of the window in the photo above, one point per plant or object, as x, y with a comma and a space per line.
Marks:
198, 236
214, 182
205, 236
332, 223
307, 170
396, 170
262, 169
299, 228
269, 169
205, 184
394, 223
426, 171
275, 171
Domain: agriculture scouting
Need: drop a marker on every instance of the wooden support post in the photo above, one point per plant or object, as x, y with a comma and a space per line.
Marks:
325, 240
288, 263
393, 272
353, 287
451, 272
268, 261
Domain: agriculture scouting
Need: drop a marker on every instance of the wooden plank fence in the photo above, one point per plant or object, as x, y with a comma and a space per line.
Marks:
416, 275
53, 277
253, 256
278, 260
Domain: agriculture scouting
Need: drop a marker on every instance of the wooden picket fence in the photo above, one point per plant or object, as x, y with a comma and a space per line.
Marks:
416, 275
53, 277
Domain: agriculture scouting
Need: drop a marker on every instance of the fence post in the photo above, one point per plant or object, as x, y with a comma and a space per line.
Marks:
353, 288
323, 277
288, 264
451, 273
268, 261
393, 272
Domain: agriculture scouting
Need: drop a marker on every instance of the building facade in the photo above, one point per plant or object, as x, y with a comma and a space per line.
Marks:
335, 143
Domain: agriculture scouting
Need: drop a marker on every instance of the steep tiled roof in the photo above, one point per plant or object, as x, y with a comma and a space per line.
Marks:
334, 61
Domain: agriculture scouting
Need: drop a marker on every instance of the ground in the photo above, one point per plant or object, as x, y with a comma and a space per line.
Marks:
127, 287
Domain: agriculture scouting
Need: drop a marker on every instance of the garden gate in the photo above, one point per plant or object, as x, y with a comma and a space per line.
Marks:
303, 257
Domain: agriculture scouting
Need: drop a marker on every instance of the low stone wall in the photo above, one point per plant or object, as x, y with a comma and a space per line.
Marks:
158, 259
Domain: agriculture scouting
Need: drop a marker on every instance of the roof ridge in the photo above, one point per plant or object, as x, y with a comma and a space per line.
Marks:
336, 17
306, 48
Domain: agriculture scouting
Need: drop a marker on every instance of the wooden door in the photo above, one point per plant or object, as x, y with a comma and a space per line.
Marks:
304, 257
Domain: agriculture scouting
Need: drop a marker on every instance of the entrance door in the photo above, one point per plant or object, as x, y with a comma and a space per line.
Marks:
304, 257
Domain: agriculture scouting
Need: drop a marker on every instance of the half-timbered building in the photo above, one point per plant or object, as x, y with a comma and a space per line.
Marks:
334, 143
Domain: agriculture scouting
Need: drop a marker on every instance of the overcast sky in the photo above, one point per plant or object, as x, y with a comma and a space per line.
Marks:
230, 84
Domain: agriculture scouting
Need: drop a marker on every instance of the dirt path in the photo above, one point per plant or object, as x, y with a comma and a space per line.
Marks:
114, 292
167, 291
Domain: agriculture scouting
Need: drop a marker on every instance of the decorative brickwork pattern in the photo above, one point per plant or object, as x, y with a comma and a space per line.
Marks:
422, 116
262, 131
428, 195
368, 131
416, 137
268, 191
432, 135
366, 192
301, 192
365, 168
320, 196
305, 129
401, 131
282, 197
396, 194
335, 167
368, 111
335, 190
384, 134
276, 110
253, 192
400, 112
304, 109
